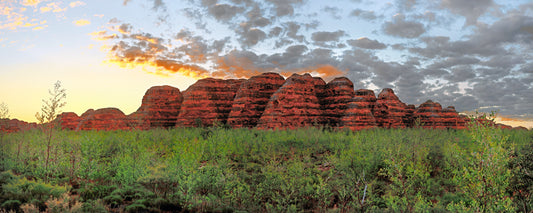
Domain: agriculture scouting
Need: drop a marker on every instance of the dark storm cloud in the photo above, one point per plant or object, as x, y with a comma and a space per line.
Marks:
400, 27
471, 10
366, 43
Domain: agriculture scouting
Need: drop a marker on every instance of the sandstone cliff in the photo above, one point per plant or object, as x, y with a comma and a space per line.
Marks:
252, 98
295, 104
267, 101
206, 101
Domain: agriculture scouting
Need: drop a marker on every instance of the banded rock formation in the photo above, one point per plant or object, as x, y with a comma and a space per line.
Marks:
160, 108
339, 92
295, 104
103, 119
359, 113
252, 98
15, 125
69, 120
206, 101
389, 111
266, 101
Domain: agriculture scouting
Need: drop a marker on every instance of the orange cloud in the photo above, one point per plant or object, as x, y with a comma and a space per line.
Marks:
515, 122
81, 22
102, 35
325, 71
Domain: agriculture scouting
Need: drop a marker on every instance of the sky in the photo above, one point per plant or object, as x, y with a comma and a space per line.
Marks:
474, 55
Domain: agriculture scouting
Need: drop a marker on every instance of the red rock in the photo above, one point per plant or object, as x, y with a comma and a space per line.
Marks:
160, 107
389, 111
208, 100
452, 119
138, 120
359, 115
252, 98
103, 119
295, 104
86, 113
429, 115
521, 128
15, 125
503, 126
409, 119
338, 93
68, 120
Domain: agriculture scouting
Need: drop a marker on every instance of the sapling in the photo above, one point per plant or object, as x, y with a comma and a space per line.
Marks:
50, 109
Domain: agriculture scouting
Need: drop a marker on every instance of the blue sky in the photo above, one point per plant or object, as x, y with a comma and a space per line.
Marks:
470, 54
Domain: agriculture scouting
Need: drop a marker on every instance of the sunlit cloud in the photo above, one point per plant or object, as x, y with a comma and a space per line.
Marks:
30, 2
15, 15
102, 35
45, 9
76, 4
81, 22
53, 6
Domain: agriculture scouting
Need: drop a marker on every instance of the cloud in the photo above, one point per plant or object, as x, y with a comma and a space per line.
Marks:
364, 14
284, 7
333, 12
471, 10
82, 22
400, 27
76, 4
432, 56
30, 2
324, 36
252, 36
366, 43
224, 12
55, 7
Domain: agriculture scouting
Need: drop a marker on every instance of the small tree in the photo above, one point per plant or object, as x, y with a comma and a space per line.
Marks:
4, 111
484, 174
50, 109
4, 115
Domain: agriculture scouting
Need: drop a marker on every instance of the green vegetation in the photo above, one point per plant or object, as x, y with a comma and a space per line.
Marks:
246, 170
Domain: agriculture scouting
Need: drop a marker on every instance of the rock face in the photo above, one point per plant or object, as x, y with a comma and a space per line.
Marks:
160, 107
103, 119
389, 111
359, 115
68, 120
429, 115
266, 101
15, 125
206, 101
338, 93
295, 104
251, 99
452, 119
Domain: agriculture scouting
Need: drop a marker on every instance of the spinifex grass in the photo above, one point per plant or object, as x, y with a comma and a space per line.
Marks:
217, 169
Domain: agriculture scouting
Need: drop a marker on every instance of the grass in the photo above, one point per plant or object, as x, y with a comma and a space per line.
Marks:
249, 170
